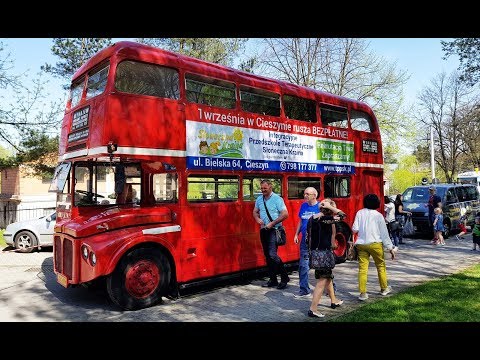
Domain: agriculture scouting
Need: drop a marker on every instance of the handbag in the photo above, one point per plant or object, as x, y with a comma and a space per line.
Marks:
318, 259
352, 253
395, 225
321, 259
408, 229
280, 233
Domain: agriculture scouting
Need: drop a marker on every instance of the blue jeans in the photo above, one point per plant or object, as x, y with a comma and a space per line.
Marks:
274, 262
303, 269
399, 233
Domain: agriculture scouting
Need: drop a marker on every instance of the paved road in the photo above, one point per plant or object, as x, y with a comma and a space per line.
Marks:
30, 293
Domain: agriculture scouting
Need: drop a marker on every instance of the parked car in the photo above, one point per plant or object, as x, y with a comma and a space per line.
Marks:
28, 235
457, 200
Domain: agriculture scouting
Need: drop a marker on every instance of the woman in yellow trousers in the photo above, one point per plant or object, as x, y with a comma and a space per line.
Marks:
372, 238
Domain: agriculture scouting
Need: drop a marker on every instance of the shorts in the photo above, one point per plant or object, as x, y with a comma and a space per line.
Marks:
476, 239
323, 273
462, 228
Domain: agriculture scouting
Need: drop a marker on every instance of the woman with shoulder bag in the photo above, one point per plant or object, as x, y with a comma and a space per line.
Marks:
400, 217
321, 237
392, 225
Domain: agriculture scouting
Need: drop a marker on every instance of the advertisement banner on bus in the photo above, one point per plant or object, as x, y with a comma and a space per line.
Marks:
220, 147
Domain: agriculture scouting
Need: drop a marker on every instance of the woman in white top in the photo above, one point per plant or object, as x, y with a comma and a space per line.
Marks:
389, 208
372, 237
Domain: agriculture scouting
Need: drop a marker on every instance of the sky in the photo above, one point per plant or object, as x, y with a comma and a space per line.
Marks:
420, 57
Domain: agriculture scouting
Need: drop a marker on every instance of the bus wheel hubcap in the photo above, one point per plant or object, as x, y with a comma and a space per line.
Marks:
142, 279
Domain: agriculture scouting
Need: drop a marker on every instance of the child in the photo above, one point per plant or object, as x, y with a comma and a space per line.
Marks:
476, 234
438, 227
462, 225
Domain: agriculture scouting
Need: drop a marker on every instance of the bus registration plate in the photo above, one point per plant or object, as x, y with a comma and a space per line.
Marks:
62, 280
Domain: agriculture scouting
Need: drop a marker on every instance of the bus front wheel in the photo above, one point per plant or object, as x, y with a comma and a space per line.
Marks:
140, 279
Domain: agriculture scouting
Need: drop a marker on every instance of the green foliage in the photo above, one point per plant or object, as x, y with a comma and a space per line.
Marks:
36, 148
216, 50
468, 52
73, 53
4, 153
408, 173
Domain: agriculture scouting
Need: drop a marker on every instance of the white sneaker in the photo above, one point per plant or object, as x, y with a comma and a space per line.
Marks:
395, 248
363, 297
386, 291
303, 296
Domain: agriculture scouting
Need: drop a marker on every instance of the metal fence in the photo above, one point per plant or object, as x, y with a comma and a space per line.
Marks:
10, 214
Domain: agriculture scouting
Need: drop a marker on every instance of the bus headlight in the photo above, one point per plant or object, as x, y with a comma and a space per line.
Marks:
85, 252
93, 258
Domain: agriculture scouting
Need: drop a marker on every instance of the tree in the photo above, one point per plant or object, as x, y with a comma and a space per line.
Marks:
73, 53
470, 132
343, 67
468, 52
409, 172
443, 106
216, 50
23, 111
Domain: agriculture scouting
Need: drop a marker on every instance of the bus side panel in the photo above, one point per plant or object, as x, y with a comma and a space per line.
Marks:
371, 182
218, 238
151, 122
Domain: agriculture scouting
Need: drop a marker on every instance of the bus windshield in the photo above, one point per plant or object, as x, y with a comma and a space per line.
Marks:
98, 183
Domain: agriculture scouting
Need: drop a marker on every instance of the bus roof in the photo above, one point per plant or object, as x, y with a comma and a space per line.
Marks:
151, 53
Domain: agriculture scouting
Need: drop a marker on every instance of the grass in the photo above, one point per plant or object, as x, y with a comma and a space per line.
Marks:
453, 298
2, 241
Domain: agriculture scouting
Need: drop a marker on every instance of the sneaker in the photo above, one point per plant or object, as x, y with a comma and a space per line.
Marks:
456, 237
315, 314
363, 297
303, 296
386, 291
270, 284
395, 248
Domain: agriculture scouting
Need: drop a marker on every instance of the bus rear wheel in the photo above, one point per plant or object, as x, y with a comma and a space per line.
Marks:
341, 238
140, 279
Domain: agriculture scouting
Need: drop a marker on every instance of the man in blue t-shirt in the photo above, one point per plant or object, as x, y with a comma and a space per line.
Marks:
308, 209
277, 212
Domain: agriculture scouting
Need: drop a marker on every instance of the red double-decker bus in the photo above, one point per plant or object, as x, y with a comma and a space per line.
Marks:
160, 162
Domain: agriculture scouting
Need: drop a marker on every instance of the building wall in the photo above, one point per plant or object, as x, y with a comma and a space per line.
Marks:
32, 185
23, 196
10, 184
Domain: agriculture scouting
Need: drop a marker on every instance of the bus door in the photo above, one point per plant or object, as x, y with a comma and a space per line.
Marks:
212, 225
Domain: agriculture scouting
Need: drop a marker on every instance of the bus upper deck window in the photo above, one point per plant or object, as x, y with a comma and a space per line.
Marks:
76, 92
260, 101
361, 121
299, 108
336, 117
97, 81
134, 77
